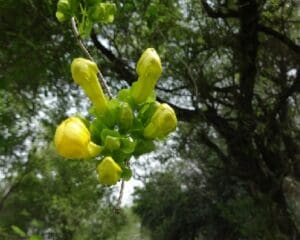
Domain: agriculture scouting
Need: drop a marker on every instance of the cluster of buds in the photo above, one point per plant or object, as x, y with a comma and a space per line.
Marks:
86, 13
122, 127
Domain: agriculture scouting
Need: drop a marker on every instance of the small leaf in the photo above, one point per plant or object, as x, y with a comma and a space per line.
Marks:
96, 128
147, 111
125, 96
85, 28
18, 231
137, 127
144, 146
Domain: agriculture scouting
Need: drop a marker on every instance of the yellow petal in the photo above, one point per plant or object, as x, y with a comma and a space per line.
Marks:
109, 171
72, 140
84, 73
162, 122
149, 70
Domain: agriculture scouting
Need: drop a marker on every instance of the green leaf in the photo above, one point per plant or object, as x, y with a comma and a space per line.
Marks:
85, 27
120, 156
18, 231
144, 146
96, 128
125, 96
147, 111
137, 128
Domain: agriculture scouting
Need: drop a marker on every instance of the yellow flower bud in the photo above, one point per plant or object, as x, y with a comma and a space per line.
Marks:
73, 140
109, 171
162, 122
84, 73
149, 70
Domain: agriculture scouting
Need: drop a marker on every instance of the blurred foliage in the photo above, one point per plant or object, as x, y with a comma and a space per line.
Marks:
235, 88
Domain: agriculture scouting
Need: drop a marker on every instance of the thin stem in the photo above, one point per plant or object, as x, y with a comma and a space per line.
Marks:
88, 55
118, 206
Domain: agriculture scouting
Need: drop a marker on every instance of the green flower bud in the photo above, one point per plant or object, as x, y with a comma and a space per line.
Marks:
84, 73
63, 5
112, 143
73, 140
109, 172
162, 122
60, 17
103, 12
63, 10
149, 70
125, 116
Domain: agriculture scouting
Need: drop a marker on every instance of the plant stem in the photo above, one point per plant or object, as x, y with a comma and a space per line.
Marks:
117, 207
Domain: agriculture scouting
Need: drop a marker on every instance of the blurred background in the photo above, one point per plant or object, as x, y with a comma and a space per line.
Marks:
230, 171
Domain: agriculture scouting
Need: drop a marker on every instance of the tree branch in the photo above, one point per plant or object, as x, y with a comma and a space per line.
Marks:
248, 52
183, 114
171, 90
281, 37
122, 69
14, 186
117, 208
120, 66
282, 99
209, 143
218, 14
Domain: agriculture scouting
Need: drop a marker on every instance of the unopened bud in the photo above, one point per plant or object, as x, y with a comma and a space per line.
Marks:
84, 73
125, 116
162, 122
73, 140
63, 10
109, 171
149, 70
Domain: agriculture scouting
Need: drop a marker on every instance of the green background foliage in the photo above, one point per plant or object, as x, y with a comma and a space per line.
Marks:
231, 71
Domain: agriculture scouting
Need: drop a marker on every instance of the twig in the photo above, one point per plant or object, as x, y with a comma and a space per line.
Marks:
88, 55
118, 206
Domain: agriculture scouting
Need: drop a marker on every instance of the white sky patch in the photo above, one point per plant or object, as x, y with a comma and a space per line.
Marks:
292, 72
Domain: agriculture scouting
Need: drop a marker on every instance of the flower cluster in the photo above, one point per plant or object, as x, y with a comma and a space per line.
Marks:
86, 13
122, 127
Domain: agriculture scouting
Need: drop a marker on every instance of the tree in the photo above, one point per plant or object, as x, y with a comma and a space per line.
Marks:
238, 64
231, 70
40, 193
